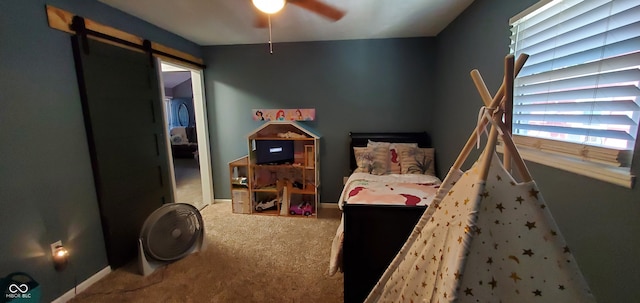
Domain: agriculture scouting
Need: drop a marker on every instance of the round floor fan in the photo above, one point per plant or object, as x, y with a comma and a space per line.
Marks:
170, 233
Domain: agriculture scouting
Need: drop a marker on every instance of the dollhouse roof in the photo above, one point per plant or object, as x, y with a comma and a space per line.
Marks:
283, 129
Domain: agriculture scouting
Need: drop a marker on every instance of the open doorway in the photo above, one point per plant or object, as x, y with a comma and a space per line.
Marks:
185, 119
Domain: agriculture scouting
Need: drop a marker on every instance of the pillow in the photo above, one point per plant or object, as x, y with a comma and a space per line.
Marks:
395, 153
376, 143
178, 135
380, 163
364, 160
380, 157
418, 161
176, 139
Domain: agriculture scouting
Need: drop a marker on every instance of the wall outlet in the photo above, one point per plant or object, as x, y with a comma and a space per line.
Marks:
54, 245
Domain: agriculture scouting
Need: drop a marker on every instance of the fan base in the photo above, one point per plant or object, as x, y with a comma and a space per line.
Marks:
147, 265
148, 262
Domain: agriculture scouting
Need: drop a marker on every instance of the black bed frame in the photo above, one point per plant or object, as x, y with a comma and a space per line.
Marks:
373, 234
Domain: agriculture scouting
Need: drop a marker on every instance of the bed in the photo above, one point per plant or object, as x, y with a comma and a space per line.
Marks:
380, 206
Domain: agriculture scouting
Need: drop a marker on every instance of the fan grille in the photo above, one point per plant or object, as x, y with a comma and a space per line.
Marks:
172, 232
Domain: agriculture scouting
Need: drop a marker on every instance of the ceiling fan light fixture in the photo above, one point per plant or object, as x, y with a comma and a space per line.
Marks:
269, 6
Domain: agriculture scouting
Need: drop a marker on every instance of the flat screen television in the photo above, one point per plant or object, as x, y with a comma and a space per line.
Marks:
274, 151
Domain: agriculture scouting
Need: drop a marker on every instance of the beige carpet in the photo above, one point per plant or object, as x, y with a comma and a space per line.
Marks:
248, 258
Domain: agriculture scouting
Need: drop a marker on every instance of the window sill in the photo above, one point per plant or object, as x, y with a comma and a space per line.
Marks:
616, 175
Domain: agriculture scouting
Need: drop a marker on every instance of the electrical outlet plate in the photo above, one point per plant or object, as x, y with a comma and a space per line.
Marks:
54, 245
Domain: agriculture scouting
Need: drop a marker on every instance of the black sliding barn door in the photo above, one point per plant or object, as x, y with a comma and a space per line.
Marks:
123, 116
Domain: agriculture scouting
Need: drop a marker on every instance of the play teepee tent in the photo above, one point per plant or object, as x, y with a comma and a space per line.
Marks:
487, 237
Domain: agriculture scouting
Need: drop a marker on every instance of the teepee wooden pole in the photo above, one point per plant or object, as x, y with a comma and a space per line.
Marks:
488, 153
482, 89
507, 104
496, 101
510, 147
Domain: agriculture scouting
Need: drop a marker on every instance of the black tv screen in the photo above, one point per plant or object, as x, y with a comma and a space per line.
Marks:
274, 151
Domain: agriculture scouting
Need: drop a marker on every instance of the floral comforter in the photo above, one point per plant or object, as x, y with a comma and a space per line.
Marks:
392, 189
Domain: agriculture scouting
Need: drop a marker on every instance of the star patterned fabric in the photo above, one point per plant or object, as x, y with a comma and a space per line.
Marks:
484, 241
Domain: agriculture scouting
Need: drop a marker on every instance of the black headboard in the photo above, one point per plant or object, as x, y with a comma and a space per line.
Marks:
361, 139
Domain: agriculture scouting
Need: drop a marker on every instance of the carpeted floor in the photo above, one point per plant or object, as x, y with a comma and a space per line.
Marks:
248, 258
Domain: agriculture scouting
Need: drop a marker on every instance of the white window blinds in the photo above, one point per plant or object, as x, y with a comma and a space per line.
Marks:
580, 85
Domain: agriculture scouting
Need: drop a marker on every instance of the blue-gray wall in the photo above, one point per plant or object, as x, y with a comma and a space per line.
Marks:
599, 220
364, 85
183, 90
46, 187
46, 184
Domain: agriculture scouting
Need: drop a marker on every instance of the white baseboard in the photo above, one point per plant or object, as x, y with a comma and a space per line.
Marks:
83, 286
222, 201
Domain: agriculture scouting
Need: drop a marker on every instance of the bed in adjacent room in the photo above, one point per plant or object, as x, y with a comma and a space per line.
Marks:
392, 183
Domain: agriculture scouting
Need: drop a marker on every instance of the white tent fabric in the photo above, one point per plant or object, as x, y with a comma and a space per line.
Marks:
484, 241
486, 237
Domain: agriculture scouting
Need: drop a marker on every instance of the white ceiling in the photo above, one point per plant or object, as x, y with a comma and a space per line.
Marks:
224, 22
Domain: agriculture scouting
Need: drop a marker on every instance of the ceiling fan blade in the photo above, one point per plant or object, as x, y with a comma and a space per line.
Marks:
320, 8
261, 20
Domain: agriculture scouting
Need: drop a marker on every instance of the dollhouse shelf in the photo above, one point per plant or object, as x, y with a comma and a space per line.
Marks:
294, 184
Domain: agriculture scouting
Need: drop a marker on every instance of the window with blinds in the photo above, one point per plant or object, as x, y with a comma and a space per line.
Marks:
577, 95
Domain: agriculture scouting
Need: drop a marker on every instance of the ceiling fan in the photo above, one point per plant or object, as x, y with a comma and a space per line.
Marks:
265, 8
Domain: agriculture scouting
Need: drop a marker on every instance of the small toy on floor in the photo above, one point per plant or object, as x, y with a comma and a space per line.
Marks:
303, 208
